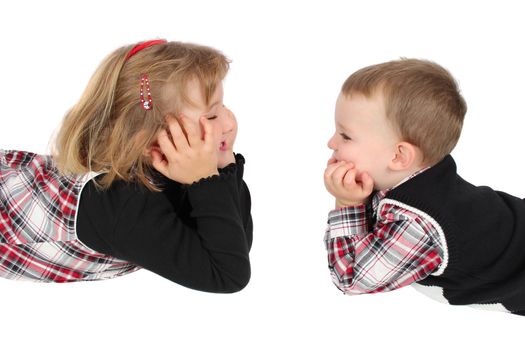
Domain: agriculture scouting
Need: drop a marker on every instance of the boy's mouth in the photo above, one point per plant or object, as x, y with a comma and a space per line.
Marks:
223, 146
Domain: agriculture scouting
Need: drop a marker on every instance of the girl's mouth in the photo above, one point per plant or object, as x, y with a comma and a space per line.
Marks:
223, 146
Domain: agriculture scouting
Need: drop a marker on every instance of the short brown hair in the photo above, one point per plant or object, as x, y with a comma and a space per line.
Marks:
108, 130
422, 100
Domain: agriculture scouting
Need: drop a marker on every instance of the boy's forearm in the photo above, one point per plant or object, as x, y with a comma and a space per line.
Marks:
356, 253
347, 221
341, 203
345, 226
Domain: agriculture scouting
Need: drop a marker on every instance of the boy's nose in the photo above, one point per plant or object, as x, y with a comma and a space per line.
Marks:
331, 143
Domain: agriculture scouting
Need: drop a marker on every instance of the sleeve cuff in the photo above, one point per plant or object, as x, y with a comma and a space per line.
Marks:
239, 161
224, 173
347, 221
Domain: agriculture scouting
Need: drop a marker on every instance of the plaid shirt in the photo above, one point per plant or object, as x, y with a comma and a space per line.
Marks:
371, 251
38, 210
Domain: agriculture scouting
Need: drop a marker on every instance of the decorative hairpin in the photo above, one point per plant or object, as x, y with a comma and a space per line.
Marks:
146, 104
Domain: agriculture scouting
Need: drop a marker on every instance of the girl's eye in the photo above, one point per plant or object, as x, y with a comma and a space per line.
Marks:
346, 138
212, 117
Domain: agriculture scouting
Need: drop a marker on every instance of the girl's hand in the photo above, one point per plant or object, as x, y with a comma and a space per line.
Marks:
226, 160
189, 155
347, 186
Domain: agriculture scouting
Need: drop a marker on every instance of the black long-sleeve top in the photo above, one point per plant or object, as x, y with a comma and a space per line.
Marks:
196, 235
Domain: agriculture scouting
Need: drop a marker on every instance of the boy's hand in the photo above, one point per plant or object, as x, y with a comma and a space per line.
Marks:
347, 186
189, 154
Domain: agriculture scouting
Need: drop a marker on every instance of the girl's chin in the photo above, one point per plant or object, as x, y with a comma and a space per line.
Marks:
225, 158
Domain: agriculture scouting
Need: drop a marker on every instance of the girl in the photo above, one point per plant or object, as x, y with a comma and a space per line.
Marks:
142, 174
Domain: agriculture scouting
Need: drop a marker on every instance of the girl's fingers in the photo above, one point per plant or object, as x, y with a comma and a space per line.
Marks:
158, 162
165, 144
209, 135
191, 129
179, 139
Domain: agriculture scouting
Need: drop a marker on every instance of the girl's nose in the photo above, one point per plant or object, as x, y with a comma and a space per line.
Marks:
229, 121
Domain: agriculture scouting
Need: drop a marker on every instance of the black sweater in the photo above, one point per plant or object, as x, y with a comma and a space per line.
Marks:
196, 235
484, 232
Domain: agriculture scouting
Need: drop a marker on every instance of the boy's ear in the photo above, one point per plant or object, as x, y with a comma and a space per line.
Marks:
406, 155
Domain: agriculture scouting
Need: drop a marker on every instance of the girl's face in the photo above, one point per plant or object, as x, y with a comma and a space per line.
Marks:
222, 119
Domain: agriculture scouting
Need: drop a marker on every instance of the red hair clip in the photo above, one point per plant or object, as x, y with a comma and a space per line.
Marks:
146, 104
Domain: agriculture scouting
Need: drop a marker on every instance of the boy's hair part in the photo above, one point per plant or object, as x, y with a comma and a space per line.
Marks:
108, 130
421, 99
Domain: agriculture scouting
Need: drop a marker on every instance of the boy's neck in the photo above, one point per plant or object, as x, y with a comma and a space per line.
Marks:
402, 176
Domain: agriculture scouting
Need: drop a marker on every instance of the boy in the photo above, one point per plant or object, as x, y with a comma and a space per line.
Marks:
403, 215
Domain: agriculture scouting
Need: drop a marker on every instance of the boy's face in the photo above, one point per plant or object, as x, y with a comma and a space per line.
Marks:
222, 119
365, 137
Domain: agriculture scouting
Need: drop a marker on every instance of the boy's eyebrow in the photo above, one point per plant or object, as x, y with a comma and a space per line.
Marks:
341, 126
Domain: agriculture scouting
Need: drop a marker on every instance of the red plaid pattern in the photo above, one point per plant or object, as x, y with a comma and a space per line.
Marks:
400, 248
37, 224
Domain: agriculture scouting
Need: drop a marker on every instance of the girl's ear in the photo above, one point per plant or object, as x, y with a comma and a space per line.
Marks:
141, 139
154, 147
405, 156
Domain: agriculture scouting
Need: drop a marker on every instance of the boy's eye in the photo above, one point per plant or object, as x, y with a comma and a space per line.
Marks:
345, 137
212, 117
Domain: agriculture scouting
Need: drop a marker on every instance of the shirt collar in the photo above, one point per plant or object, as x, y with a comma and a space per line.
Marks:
379, 195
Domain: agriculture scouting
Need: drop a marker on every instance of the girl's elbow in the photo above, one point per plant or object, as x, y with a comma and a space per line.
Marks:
238, 282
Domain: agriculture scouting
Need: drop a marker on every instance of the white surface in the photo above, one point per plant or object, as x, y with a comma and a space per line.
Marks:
289, 61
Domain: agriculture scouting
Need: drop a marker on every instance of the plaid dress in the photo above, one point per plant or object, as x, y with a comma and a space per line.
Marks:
38, 209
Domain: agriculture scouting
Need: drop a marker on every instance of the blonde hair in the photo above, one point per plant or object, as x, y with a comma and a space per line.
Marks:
422, 100
108, 130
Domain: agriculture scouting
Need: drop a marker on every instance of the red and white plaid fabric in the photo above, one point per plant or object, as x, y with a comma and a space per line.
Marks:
371, 251
38, 210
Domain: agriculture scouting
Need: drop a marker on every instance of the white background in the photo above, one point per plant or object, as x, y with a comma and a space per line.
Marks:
289, 61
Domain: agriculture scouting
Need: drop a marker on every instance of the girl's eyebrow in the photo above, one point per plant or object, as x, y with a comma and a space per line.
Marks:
211, 107
215, 104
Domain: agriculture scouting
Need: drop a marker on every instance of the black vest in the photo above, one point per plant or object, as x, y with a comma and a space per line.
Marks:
484, 232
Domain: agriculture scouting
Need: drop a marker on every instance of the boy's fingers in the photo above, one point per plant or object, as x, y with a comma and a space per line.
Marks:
339, 174
368, 183
349, 179
331, 168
